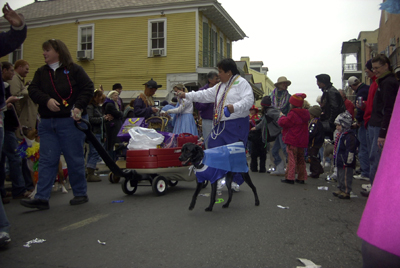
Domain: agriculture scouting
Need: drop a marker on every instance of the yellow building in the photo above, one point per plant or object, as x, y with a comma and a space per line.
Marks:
259, 76
130, 42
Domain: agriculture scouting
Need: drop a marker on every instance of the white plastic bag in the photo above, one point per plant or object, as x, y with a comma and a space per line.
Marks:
144, 138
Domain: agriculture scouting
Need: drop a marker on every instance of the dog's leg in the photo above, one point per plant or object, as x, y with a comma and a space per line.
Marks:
212, 196
196, 193
228, 182
246, 178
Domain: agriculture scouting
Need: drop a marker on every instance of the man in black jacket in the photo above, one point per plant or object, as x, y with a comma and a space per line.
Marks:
382, 109
332, 104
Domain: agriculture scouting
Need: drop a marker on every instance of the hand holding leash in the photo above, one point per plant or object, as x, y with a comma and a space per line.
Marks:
76, 114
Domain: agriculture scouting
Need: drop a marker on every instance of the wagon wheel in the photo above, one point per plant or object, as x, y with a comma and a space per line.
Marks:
172, 183
113, 178
159, 185
129, 186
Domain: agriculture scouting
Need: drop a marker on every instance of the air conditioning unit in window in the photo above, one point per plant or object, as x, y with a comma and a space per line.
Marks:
392, 42
157, 52
84, 54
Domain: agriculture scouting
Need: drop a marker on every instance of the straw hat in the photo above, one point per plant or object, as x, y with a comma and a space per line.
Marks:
283, 79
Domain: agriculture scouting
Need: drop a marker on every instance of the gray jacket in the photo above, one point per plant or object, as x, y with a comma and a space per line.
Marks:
270, 119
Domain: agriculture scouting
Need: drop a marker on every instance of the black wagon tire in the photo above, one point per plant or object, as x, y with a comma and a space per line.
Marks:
113, 178
128, 187
159, 185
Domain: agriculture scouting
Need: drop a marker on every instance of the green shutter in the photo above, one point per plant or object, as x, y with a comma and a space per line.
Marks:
206, 42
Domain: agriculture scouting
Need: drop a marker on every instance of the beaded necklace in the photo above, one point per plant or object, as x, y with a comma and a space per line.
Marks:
219, 108
64, 101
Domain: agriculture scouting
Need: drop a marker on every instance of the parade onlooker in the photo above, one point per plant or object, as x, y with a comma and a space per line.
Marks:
129, 112
344, 153
26, 109
280, 100
382, 109
167, 106
254, 116
349, 105
9, 41
295, 136
96, 119
63, 90
183, 120
332, 104
113, 126
144, 104
11, 124
366, 106
233, 98
206, 109
315, 141
118, 87
268, 129
361, 91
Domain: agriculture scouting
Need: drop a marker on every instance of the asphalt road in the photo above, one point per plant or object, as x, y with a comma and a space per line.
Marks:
159, 231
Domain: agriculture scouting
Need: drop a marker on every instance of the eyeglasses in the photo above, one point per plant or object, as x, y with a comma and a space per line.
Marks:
376, 68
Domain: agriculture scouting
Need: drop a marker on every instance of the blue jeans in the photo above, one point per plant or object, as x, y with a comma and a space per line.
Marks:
375, 152
15, 162
60, 135
93, 155
363, 153
275, 150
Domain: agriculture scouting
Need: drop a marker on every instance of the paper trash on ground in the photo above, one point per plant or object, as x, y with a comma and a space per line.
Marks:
279, 206
34, 241
308, 264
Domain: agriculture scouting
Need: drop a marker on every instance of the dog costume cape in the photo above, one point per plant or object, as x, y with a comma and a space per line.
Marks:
235, 153
220, 160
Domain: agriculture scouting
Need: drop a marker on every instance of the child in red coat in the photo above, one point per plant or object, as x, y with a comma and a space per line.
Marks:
295, 136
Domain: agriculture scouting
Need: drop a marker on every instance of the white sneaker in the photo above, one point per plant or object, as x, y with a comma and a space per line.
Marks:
366, 187
271, 169
280, 170
361, 177
235, 186
221, 183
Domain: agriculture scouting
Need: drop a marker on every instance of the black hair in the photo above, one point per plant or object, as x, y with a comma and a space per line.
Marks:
228, 65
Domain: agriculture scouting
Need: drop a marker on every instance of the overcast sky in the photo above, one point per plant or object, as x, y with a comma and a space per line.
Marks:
296, 39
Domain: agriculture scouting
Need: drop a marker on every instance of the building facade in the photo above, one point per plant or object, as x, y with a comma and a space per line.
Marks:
130, 42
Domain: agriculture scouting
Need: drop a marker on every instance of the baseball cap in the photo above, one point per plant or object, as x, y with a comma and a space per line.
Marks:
353, 80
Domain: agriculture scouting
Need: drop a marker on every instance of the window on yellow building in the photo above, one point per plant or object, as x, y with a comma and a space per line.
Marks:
15, 55
157, 37
85, 41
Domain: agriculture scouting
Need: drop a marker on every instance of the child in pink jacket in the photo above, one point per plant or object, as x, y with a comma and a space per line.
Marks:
295, 136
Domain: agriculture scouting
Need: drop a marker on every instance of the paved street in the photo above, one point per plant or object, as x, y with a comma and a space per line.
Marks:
150, 231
